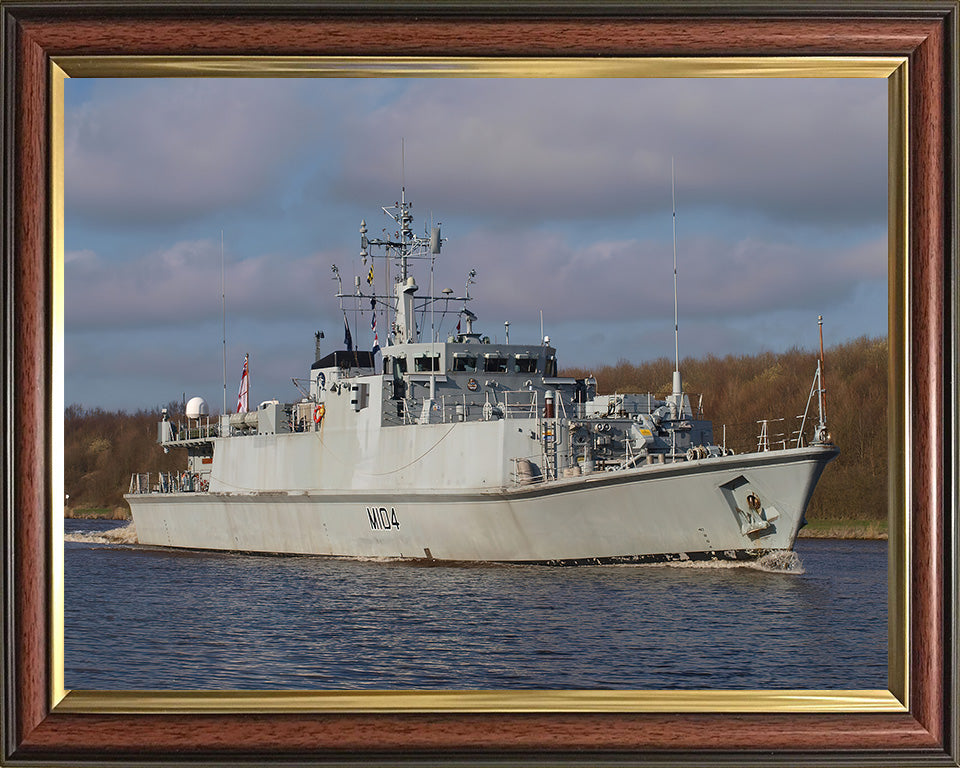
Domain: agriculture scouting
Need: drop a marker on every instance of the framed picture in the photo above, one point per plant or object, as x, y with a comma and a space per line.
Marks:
916, 717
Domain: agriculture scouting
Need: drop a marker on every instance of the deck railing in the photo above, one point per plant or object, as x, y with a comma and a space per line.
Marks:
167, 482
512, 404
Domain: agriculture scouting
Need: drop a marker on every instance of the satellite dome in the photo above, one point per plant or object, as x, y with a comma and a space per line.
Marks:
197, 407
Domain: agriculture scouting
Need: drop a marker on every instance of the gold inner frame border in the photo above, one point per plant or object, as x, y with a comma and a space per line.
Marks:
893, 700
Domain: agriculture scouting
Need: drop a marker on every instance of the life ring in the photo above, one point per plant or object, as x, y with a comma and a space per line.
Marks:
318, 413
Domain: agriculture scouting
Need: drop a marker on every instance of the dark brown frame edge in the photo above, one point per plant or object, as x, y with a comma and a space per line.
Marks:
925, 32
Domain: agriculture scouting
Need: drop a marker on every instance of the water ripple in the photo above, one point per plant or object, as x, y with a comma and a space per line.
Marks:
138, 617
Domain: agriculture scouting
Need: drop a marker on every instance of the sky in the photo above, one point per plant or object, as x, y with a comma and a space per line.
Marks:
557, 192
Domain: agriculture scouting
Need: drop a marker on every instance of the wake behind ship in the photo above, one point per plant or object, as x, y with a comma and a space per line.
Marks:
470, 450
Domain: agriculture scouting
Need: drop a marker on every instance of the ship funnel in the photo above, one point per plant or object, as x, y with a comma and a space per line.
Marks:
435, 240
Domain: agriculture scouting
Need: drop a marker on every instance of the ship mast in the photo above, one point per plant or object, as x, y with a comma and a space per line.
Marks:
404, 246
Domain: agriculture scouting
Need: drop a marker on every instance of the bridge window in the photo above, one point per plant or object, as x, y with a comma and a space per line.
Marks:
427, 363
463, 362
494, 363
524, 364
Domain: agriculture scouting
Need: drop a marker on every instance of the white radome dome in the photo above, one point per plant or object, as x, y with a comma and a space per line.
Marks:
197, 407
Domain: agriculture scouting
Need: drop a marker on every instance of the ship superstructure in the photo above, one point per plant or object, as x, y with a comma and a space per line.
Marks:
470, 449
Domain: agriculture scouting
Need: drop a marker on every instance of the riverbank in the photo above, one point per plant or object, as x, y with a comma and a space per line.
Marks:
845, 529
97, 513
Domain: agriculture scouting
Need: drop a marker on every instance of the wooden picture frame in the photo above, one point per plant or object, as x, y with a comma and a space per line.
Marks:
921, 725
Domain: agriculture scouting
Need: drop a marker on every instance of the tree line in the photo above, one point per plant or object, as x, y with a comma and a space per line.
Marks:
102, 449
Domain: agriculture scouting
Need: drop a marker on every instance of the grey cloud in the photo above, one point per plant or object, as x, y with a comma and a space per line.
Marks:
631, 279
172, 151
180, 285
519, 273
800, 150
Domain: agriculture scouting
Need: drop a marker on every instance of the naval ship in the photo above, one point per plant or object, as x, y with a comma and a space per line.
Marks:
467, 449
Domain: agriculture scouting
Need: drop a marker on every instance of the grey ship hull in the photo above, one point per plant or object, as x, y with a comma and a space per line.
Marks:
696, 510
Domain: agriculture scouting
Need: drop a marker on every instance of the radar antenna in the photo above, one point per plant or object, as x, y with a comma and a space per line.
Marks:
466, 288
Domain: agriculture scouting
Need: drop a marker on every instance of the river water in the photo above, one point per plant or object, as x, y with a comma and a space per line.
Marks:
150, 618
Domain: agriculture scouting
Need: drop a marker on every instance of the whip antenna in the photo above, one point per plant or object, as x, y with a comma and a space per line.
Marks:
823, 387
223, 310
677, 388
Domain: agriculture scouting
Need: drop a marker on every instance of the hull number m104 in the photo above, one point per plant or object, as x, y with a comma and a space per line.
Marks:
382, 519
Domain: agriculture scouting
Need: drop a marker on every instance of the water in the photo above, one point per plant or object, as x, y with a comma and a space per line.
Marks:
148, 618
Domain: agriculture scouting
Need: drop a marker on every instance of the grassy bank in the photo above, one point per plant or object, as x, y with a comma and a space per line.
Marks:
844, 529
